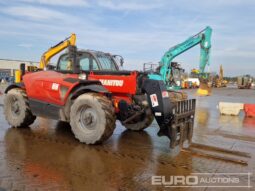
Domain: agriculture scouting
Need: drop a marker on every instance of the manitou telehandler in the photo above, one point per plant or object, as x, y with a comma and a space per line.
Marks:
86, 89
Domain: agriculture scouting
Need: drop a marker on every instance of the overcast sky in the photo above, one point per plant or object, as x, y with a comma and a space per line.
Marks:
141, 31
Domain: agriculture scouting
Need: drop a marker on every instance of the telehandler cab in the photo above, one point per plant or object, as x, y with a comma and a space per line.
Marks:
87, 90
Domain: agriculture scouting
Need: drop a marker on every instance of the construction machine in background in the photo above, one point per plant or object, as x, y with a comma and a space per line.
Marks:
244, 82
203, 39
45, 58
87, 90
221, 82
191, 80
218, 80
175, 77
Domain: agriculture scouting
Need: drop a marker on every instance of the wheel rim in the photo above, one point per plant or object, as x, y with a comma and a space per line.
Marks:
88, 118
15, 107
142, 118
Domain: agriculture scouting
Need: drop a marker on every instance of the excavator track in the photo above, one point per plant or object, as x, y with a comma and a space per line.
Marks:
218, 153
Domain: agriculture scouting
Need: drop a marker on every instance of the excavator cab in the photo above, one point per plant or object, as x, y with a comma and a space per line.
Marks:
175, 77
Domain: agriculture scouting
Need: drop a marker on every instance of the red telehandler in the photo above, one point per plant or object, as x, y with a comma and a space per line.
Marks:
87, 90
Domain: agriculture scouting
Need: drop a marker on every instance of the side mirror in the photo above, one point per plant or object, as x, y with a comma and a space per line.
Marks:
121, 61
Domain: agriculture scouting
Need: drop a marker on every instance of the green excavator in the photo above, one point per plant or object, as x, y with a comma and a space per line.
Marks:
168, 71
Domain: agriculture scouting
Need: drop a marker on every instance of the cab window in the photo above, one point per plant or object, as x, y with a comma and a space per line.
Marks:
84, 63
65, 63
95, 65
87, 62
106, 62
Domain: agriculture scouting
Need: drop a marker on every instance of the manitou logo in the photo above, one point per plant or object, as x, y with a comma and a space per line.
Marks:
112, 82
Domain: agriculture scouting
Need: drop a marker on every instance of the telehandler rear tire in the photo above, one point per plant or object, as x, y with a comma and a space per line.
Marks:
16, 109
92, 118
142, 124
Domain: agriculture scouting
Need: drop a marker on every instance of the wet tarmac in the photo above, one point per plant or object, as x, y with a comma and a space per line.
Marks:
46, 156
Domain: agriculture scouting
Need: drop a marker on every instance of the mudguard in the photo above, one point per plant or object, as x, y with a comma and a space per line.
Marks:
15, 85
88, 88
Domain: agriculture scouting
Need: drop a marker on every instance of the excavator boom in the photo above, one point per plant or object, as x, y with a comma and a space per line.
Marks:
45, 59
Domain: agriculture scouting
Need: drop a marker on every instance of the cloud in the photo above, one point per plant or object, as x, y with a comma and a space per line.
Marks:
25, 45
115, 5
128, 5
59, 2
35, 13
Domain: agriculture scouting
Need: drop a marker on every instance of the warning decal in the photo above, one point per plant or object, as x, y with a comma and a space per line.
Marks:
55, 86
154, 100
165, 94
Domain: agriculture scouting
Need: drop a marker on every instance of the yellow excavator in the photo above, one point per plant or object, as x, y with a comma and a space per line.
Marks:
45, 59
218, 81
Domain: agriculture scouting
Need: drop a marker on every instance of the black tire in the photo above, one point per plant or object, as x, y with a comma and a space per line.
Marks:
142, 124
16, 109
92, 118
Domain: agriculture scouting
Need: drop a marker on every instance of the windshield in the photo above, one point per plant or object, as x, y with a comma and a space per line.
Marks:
177, 76
106, 62
176, 73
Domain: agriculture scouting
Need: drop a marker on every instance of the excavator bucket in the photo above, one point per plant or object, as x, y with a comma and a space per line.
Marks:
204, 88
175, 118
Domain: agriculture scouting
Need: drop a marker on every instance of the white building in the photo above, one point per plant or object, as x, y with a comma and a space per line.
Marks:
8, 66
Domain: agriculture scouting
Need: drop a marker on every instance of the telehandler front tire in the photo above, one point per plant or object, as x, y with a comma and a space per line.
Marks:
92, 118
16, 109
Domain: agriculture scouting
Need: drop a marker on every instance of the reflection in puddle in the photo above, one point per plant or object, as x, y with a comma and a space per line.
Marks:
203, 116
233, 122
61, 160
249, 122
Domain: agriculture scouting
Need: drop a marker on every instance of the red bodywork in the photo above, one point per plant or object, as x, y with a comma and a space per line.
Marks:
122, 87
45, 86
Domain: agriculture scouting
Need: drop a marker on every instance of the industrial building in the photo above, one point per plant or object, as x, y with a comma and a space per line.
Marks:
8, 67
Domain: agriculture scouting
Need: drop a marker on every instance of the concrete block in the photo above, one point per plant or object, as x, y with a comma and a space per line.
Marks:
228, 108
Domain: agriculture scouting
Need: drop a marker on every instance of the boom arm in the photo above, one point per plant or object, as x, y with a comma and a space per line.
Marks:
45, 59
203, 38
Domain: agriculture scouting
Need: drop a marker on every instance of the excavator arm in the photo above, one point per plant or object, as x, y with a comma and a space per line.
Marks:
45, 59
